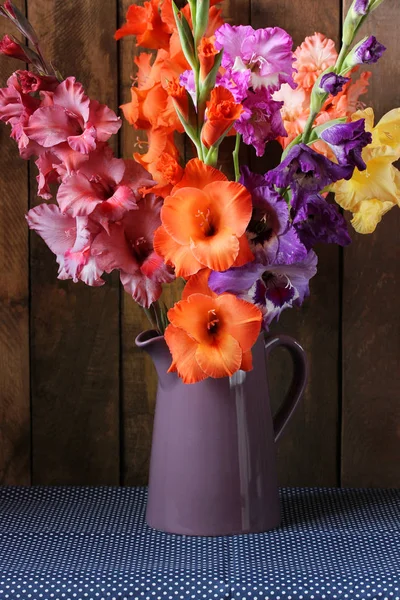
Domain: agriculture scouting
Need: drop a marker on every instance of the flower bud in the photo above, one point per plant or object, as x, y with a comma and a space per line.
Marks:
206, 53
332, 84
11, 48
366, 52
360, 7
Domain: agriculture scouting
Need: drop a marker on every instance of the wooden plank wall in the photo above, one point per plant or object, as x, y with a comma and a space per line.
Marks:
77, 397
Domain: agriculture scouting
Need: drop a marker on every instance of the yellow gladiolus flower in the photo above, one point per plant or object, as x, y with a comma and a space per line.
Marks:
371, 193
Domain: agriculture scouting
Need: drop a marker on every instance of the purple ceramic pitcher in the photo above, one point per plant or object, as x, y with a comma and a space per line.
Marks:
213, 465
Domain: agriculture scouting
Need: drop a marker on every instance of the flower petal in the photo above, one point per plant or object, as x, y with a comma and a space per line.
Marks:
241, 319
198, 284
192, 315
56, 229
77, 196
234, 204
217, 252
181, 213
222, 359
198, 175
49, 126
175, 254
183, 350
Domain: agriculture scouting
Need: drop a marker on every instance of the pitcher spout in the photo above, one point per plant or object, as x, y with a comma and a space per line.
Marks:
155, 345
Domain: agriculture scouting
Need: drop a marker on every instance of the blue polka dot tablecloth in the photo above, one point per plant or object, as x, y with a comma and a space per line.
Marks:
93, 543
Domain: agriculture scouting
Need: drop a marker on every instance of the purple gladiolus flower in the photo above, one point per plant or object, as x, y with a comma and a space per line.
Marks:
237, 82
332, 83
367, 52
347, 141
271, 236
305, 171
318, 221
261, 120
265, 53
361, 7
272, 288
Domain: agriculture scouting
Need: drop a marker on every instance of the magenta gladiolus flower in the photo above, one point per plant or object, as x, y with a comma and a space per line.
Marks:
265, 53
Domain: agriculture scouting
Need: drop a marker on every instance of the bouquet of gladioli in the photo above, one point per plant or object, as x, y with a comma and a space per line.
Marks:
245, 248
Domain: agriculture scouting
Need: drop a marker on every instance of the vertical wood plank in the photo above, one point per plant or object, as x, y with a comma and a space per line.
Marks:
75, 329
15, 442
308, 451
371, 323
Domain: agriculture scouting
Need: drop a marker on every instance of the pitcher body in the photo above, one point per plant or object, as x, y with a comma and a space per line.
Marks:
213, 457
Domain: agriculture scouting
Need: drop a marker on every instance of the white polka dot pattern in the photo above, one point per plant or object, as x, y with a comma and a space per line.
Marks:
93, 544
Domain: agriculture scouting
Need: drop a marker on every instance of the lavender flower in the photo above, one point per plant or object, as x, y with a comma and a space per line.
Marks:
332, 83
347, 141
319, 221
305, 171
368, 51
261, 120
272, 288
265, 53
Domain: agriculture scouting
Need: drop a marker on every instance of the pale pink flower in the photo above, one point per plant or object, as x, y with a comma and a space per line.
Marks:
315, 54
294, 112
70, 240
128, 247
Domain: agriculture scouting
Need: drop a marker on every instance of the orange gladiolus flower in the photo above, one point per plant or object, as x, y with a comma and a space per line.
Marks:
210, 335
206, 53
179, 97
205, 227
145, 22
222, 112
166, 171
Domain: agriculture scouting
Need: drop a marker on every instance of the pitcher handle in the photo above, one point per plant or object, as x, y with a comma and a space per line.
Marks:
298, 383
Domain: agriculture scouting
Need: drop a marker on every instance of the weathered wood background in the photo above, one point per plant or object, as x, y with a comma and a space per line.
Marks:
77, 398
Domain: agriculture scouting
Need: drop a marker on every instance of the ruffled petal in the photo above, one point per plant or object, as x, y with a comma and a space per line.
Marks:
240, 319
183, 350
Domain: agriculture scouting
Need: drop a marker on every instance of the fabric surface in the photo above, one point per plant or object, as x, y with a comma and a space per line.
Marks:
93, 543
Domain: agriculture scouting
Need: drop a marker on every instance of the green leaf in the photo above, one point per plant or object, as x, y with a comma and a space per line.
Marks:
201, 22
185, 36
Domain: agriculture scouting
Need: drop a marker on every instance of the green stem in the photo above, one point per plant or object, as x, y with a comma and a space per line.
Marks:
340, 59
235, 155
308, 125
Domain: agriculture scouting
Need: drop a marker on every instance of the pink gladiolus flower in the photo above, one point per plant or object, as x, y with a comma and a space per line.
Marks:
70, 240
103, 187
128, 246
67, 115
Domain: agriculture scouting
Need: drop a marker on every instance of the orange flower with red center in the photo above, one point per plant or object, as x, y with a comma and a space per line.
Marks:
210, 335
204, 225
222, 112
145, 22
